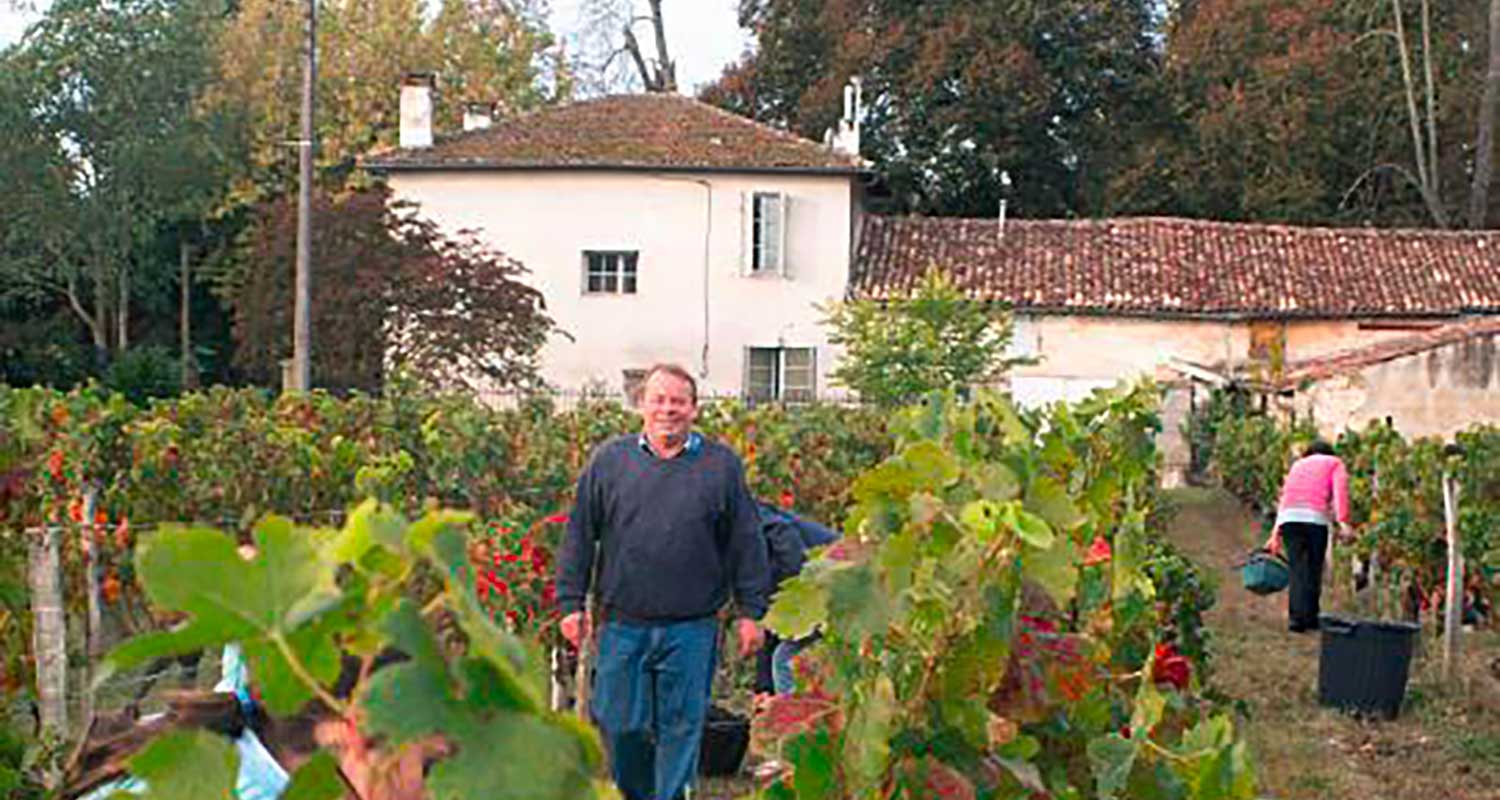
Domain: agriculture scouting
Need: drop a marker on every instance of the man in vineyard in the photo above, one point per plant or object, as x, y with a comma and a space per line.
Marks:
663, 531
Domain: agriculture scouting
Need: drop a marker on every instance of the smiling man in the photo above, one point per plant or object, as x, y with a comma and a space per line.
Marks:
668, 516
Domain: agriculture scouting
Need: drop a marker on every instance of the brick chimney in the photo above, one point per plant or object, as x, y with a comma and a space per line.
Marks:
416, 109
478, 116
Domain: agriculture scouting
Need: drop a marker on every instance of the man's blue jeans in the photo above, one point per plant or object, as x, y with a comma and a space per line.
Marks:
651, 695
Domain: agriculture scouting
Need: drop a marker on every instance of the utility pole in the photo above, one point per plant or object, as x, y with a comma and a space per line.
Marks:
301, 373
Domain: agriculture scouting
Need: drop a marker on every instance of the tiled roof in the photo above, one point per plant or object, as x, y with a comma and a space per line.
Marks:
644, 131
1161, 266
1345, 362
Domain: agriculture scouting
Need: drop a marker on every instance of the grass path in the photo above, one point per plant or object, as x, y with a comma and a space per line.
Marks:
1444, 746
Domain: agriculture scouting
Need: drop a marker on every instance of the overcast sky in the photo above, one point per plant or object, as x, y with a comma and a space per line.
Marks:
701, 34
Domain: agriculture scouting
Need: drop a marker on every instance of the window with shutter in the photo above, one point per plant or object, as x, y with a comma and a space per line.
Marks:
767, 232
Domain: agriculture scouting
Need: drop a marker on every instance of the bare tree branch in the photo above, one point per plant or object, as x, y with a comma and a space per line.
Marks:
666, 74
1426, 183
634, 49
1376, 170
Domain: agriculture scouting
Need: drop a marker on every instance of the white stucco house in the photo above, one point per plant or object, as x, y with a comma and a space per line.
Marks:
658, 228
661, 228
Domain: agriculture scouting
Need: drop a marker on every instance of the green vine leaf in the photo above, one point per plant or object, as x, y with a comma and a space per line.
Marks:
867, 748
317, 779
272, 604
933, 466
188, 765
799, 609
1049, 500
1032, 529
1111, 758
1054, 568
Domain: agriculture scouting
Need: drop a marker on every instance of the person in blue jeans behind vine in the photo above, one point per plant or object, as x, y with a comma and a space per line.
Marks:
788, 540
664, 533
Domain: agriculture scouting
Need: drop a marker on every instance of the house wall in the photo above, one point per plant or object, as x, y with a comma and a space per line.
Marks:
699, 309
1435, 393
1313, 338
1081, 353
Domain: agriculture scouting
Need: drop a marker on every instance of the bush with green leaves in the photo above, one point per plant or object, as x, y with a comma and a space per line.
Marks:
989, 625
898, 349
142, 373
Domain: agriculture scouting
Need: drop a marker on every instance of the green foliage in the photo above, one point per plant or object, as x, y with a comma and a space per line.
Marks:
116, 149
956, 91
187, 765
971, 649
17, 780
1294, 111
1247, 452
142, 373
224, 455
897, 350
465, 681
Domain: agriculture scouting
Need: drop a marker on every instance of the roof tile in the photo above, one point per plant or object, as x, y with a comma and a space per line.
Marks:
1154, 265
642, 131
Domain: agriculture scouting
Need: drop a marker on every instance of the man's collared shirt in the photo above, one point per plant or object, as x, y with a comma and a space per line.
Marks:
694, 442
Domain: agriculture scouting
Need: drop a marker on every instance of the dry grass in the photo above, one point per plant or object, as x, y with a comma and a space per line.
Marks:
1444, 746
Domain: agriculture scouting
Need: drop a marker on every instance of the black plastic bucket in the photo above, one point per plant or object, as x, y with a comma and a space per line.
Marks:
726, 737
1363, 665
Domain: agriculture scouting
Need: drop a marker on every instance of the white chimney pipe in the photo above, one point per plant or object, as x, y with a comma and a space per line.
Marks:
846, 140
416, 109
478, 116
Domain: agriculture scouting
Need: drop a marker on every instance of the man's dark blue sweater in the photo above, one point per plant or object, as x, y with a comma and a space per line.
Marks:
676, 535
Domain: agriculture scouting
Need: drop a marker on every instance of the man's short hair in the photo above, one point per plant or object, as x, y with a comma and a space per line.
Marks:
675, 371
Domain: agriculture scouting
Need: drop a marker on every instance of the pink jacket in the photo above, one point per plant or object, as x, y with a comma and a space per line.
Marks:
1317, 483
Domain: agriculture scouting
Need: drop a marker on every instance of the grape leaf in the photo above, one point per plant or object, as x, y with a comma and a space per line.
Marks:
188, 765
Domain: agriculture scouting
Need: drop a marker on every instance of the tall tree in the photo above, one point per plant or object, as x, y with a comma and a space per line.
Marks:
102, 98
490, 51
1316, 111
1484, 140
959, 91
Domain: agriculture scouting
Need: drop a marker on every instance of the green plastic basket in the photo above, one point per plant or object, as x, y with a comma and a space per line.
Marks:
1265, 573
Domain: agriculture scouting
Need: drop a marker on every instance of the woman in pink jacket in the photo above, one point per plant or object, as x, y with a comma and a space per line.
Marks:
1314, 495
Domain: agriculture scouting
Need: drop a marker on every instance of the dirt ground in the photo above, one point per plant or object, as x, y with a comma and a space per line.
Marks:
1445, 745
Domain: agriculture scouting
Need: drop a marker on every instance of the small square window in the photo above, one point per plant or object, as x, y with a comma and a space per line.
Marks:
609, 271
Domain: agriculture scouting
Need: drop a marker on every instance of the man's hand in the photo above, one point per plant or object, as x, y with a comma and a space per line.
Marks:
575, 628
750, 636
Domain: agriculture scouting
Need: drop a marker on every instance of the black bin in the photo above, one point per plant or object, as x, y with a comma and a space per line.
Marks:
1363, 665
726, 737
